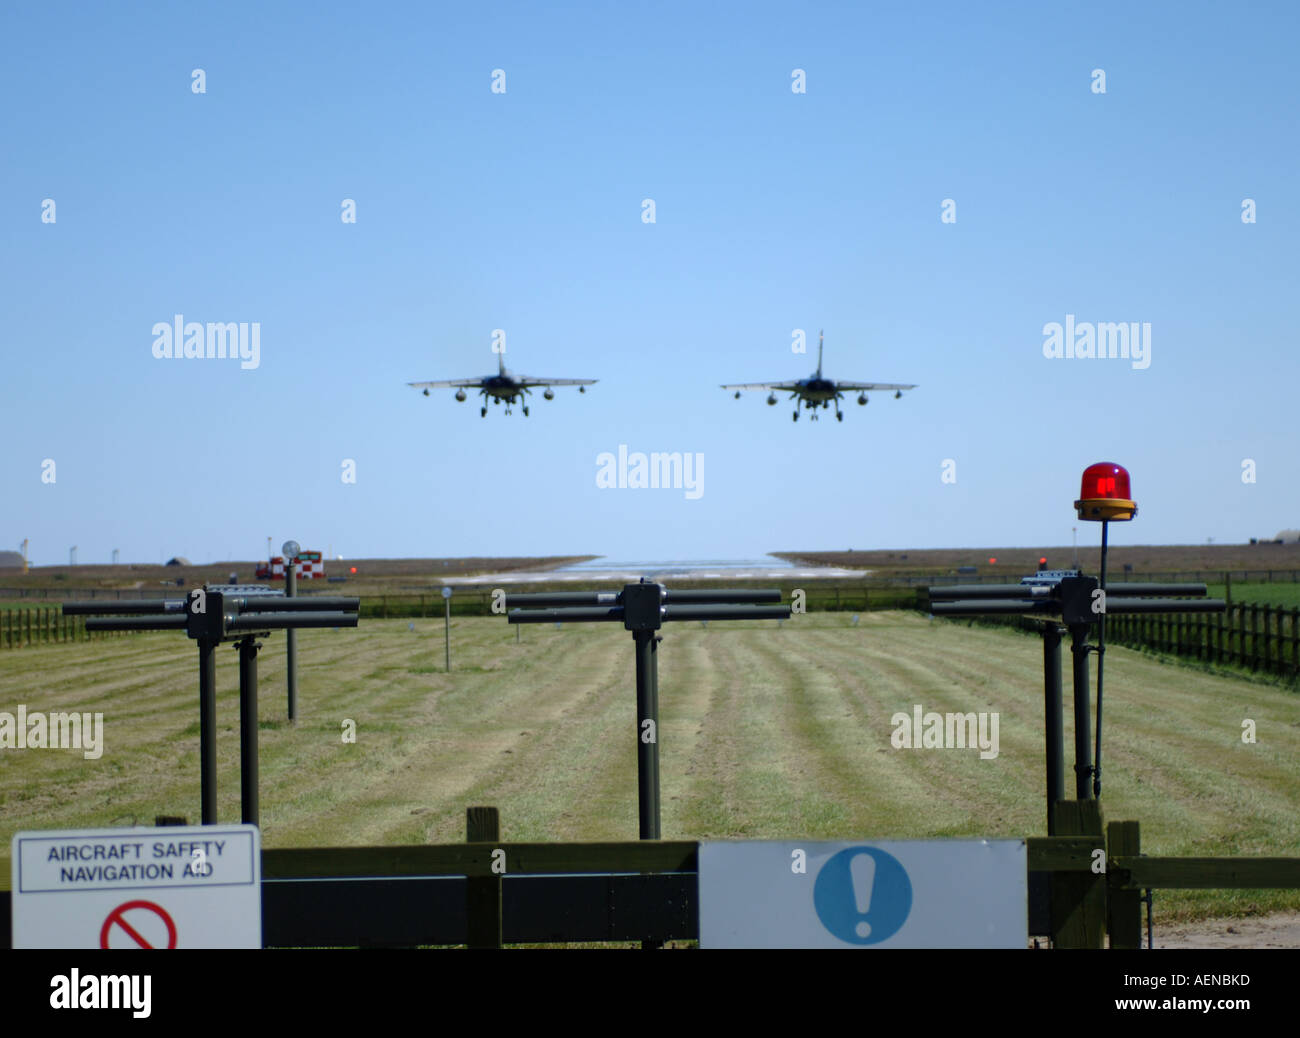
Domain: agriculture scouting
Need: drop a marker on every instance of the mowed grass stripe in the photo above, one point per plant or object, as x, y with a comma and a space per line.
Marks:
862, 686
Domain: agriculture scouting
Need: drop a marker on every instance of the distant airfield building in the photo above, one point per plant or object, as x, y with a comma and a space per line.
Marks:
178, 560
13, 560
309, 566
1289, 537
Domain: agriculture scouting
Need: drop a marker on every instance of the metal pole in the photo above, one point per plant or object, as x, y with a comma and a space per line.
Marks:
446, 632
1055, 724
248, 730
291, 640
647, 736
1101, 661
208, 731
1082, 720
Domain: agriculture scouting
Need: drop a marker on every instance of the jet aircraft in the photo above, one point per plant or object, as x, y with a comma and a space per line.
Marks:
815, 391
504, 385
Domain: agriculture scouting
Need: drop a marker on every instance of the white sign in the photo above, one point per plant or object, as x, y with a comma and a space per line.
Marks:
197, 886
898, 894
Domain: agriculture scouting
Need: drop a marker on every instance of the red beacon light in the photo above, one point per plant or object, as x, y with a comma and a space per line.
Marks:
1105, 494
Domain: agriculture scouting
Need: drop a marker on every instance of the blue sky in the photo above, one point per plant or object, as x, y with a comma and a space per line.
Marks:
523, 211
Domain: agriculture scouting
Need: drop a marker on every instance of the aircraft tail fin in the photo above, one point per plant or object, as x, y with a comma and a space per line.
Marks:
820, 336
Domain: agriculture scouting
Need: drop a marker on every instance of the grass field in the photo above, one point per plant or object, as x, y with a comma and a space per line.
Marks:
1278, 593
765, 733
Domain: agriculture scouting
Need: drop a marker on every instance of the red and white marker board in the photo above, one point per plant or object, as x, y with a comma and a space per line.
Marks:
197, 886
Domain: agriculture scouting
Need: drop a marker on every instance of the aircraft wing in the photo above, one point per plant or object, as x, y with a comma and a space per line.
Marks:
871, 385
786, 387
528, 380
454, 383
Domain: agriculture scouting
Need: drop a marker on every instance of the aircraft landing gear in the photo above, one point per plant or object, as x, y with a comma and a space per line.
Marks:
839, 416
525, 412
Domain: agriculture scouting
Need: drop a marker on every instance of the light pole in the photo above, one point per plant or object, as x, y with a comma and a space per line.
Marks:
1074, 533
290, 550
446, 599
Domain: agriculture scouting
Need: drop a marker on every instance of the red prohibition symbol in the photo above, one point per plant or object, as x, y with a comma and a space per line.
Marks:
117, 916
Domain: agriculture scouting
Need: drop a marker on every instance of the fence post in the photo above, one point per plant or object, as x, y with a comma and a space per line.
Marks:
1078, 898
1123, 907
1279, 646
1254, 637
1240, 627
1268, 615
1295, 640
482, 893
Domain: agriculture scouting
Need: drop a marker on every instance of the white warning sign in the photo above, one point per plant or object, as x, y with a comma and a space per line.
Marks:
169, 887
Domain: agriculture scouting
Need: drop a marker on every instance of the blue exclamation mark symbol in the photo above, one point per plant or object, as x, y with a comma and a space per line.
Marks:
862, 871
862, 895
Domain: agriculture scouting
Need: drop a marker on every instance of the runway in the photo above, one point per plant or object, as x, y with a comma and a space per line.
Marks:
616, 572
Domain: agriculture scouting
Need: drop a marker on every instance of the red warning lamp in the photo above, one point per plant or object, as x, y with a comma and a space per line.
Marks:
354, 569
1105, 494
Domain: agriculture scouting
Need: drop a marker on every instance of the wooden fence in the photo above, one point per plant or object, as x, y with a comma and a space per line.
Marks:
648, 890
46, 625
1263, 638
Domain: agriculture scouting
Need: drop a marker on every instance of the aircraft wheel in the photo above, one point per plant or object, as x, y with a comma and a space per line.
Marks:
482, 412
525, 412
839, 416
796, 416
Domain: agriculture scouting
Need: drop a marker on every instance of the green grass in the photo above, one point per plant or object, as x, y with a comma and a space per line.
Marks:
1277, 593
765, 733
